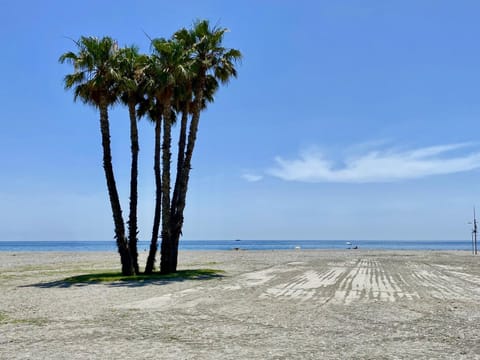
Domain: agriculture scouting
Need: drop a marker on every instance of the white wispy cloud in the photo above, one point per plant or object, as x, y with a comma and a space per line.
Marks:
252, 177
377, 165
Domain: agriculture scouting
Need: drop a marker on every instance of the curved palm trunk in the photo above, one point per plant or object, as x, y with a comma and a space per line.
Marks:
181, 156
176, 220
132, 220
167, 264
158, 200
176, 223
125, 257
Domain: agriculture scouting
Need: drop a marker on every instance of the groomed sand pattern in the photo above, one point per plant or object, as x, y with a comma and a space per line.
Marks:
369, 280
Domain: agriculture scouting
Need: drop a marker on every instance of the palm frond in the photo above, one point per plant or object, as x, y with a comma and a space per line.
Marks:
94, 74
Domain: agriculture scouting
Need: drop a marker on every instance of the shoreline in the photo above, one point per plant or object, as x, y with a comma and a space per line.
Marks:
295, 304
214, 245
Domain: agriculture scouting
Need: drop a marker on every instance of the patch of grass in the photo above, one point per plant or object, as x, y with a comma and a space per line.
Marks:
3, 318
191, 274
29, 321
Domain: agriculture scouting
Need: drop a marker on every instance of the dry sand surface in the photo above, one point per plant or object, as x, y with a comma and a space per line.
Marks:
268, 305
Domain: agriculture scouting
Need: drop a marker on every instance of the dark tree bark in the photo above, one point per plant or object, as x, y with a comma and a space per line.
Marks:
181, 156
158, 200
176, 222
132, 221
125, 257
166, 262
176, 219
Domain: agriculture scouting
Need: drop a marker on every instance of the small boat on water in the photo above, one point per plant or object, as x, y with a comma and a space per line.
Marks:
349, 244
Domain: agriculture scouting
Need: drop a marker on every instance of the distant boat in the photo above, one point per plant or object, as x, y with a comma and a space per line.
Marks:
349, 244
297, 247
237, 239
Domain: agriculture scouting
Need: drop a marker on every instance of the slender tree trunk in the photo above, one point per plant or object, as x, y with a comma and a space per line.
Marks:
176, 219
166, 263
132, 221
176, 223
125, 257
158, 200
181, 156
182, 141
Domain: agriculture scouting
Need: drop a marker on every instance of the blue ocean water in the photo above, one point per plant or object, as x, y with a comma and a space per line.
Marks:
243, 244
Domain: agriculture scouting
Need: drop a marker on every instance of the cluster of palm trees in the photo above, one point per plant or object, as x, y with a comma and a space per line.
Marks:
177, 80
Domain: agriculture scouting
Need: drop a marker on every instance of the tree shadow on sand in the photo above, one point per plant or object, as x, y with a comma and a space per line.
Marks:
116, 279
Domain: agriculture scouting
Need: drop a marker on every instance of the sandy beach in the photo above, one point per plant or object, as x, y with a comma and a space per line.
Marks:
266, 305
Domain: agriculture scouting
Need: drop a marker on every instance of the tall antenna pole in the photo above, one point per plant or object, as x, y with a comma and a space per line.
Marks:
473, 243
474, 232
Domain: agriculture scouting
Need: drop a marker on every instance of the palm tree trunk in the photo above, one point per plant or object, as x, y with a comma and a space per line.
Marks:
158, 199
125, 258
177, 216
132, 220
181, 156
176, 220
181, 147
166, 262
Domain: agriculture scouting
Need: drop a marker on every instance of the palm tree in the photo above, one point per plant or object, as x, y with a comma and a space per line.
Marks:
93, 81
183, 104
168, 65
172, 67
151, 108
210, 61
131, 66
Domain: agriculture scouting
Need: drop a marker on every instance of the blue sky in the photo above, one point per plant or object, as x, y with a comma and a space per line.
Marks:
349, 120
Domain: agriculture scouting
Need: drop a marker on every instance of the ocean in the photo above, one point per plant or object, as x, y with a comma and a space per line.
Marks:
202, 245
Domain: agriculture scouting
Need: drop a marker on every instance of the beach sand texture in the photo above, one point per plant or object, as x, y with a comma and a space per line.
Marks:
267, 305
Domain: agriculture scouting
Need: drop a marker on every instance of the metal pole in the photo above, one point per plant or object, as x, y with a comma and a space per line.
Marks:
473, 244
474, 232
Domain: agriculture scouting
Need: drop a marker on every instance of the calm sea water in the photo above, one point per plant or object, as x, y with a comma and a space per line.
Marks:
243, 244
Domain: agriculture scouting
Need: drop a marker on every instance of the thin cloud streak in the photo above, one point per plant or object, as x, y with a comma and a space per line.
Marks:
377, 166
252, 177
